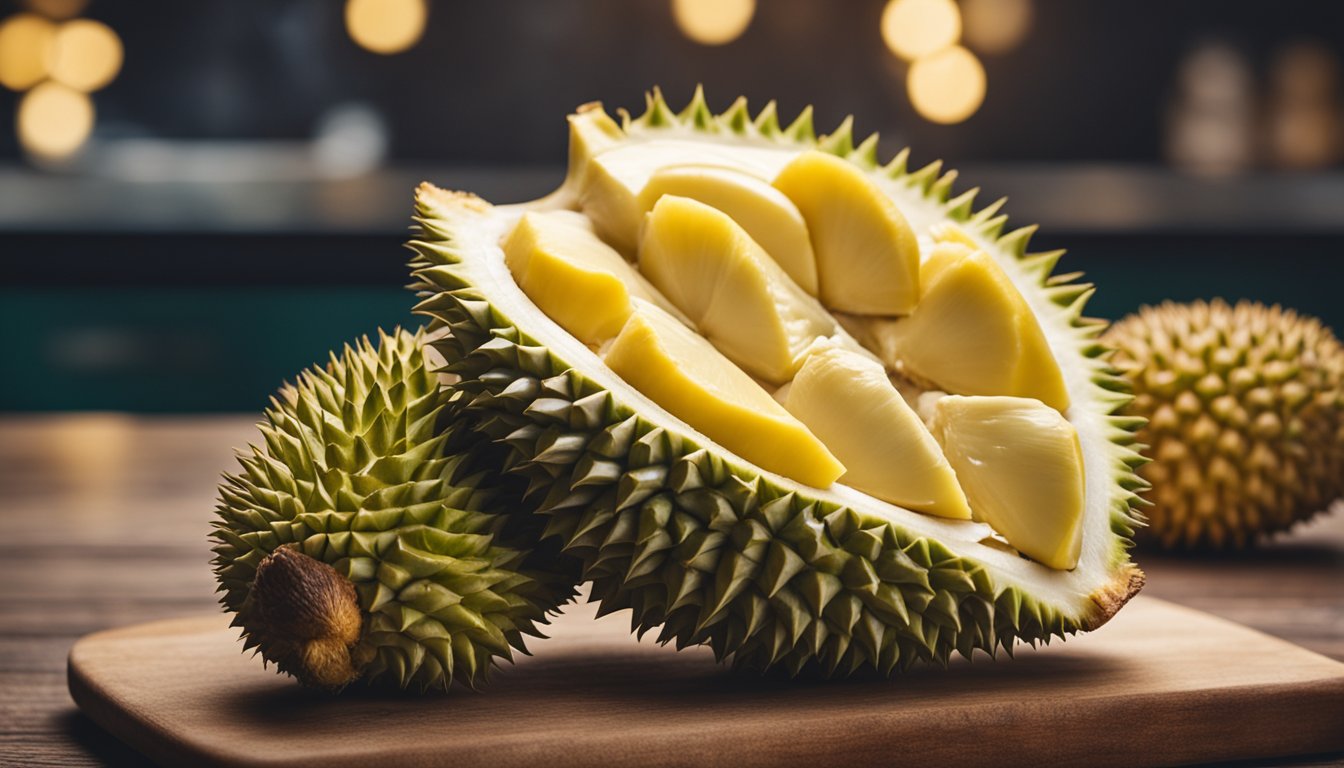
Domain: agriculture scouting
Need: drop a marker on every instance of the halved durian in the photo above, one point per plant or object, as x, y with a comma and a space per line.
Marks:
675, 508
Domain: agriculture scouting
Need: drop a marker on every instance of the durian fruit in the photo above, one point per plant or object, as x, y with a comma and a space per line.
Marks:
1245, 409
357, 544
639, 456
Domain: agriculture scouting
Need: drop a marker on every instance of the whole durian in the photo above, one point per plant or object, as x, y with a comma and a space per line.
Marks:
778, 398
358, 544
1245, 409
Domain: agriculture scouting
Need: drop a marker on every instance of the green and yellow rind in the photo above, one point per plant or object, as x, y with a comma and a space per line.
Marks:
358, 470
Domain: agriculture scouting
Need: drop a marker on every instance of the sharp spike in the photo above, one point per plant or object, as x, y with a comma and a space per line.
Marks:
767, 122
841, 140
800, 130
737, 118
697, 113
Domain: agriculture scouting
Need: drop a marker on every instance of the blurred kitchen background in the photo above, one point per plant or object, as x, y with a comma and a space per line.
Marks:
197, 199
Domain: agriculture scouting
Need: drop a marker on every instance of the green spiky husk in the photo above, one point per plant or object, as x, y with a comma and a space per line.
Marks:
709, 550
360, 471
1245, 410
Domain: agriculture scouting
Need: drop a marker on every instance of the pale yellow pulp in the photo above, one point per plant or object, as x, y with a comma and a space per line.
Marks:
735, 286
766, 215
738, 297
572, 276
1021, 466
848, 402
682, 372
867, 254
973, 333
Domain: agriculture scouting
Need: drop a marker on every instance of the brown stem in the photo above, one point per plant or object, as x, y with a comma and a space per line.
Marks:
307, 618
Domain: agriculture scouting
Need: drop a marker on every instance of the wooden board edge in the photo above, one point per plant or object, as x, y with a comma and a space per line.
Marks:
1300, 719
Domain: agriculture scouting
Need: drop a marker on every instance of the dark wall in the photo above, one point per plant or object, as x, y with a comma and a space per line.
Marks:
490, 80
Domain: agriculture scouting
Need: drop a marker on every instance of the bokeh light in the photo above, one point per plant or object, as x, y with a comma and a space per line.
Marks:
25, 44
386, 26
58, 9
85, 55
915, 28
54, 121
995, 26
947, 86
713, 22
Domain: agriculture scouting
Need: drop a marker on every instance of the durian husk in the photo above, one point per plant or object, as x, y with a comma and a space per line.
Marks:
701, 547
359, 542
1245, 410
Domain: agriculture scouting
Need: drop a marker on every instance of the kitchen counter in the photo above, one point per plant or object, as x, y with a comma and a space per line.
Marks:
103, 522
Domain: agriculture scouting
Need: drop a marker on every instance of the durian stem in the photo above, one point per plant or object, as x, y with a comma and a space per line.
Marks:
311, 615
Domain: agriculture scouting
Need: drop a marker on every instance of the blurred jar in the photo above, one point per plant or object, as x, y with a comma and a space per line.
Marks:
1304, 125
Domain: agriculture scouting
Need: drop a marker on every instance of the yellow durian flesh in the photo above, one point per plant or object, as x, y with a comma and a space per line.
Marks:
867, 254
682, 372
762, 211
610, 182
738, 297
973, 333
1021, 466
848, 402
576, 279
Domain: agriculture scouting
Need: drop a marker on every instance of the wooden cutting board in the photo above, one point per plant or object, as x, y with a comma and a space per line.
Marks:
1160, 684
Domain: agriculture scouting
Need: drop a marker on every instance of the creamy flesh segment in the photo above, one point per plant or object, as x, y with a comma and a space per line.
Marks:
739, 298
1021, 466
847, 400
972, 332
664, 271
766, 215
867, 254
684, 373
573, 277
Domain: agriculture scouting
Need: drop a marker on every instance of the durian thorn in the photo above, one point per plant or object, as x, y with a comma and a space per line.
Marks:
303, 606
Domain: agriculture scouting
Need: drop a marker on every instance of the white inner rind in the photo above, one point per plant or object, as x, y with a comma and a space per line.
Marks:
479, 234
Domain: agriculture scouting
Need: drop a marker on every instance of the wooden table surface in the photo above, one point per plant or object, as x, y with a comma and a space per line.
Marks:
103, 520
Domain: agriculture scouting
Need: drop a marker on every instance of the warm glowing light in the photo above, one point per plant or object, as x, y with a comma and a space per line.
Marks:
86, 55
25, 40
386, 26
713, 22
995, 26
948, 86
915, 28
58, 9
54, 121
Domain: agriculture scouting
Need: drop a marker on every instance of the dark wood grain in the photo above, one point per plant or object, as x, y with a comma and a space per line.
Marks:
1208, 689
103, 520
